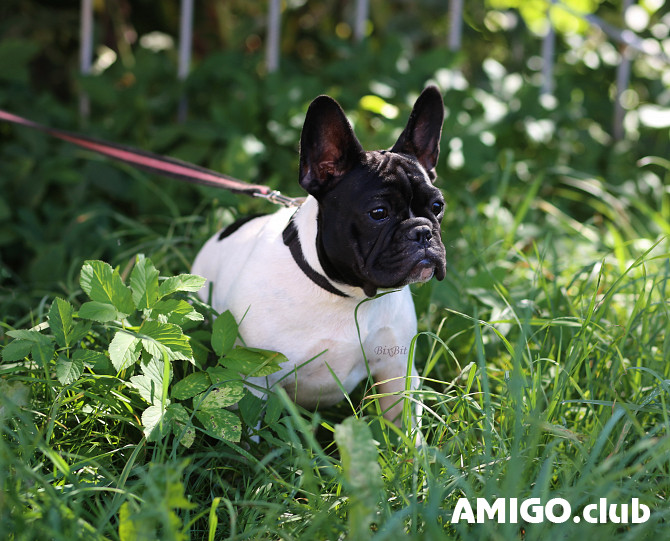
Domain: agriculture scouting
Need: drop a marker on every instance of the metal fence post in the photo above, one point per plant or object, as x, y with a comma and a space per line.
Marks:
360, 22
622, 81
548, 50
85, 51
272, 45
185, 48
455, 24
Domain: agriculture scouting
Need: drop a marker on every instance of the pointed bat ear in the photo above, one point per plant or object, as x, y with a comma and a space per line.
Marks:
328, 147
421, 136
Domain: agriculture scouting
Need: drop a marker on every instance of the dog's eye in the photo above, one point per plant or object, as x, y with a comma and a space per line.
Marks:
378, 214
437, 207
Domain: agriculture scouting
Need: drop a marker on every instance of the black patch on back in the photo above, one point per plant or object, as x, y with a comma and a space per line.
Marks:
237, 224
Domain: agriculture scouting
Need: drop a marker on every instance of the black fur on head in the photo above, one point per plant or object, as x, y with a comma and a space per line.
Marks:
379, 213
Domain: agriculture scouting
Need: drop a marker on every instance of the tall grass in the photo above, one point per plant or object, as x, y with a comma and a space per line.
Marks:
544, 358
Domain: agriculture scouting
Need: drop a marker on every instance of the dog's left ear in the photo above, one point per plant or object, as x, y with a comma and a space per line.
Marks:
421, 136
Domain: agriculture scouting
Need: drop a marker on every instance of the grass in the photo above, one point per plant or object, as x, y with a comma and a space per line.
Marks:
544, 353
544, 356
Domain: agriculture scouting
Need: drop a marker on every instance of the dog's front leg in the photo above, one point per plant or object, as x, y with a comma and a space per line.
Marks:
394, 373
395, 390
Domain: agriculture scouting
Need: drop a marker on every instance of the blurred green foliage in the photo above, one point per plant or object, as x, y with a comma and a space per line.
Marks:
61, 205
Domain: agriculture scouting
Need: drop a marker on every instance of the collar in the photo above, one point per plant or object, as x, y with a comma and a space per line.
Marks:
291, 239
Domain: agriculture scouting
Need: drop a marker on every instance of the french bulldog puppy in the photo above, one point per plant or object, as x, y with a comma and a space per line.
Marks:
370, 225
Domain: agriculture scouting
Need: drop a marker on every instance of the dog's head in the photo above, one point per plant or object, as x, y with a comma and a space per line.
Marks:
379, 212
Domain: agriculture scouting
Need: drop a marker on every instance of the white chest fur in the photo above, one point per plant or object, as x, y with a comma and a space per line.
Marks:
255, 277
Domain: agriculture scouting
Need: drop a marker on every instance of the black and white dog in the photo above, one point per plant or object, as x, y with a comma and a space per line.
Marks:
370, 224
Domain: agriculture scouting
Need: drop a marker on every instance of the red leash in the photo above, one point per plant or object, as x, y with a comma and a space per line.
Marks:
155, 163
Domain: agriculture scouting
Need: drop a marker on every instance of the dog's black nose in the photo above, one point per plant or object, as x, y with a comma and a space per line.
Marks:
421, 234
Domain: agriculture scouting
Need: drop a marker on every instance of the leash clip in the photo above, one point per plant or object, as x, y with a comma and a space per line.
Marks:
278, 198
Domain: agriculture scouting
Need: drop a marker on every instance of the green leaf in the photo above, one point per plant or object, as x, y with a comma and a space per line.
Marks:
69, 370
104, 284
144, 283
154, 430
61, 322
150, 390
129, 529
213, 520
177, 311
175, 497
253, 361
99, 311
124, 350
220, 375
43, 353
221, 424
150, 383
81, 329
155, 369
224, 333
273, 409
190, 386
250, 407
362, 473
158, 337
221, 397
360, 459
35, 337
16, 394
16, 350
182, 428
89, 357
183, 282
41, 346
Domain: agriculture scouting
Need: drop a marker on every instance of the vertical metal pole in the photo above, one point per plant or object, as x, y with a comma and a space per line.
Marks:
85, 51
185, 48
622, 80
455, 24
361, 20
548, 51
272, 45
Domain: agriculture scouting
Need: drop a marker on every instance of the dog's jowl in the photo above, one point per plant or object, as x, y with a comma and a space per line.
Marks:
370, 225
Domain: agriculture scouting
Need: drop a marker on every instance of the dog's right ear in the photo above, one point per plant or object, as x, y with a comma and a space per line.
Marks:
328, 147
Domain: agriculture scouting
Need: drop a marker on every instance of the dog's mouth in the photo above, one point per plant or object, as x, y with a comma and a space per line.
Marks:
423, 271
403, 267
